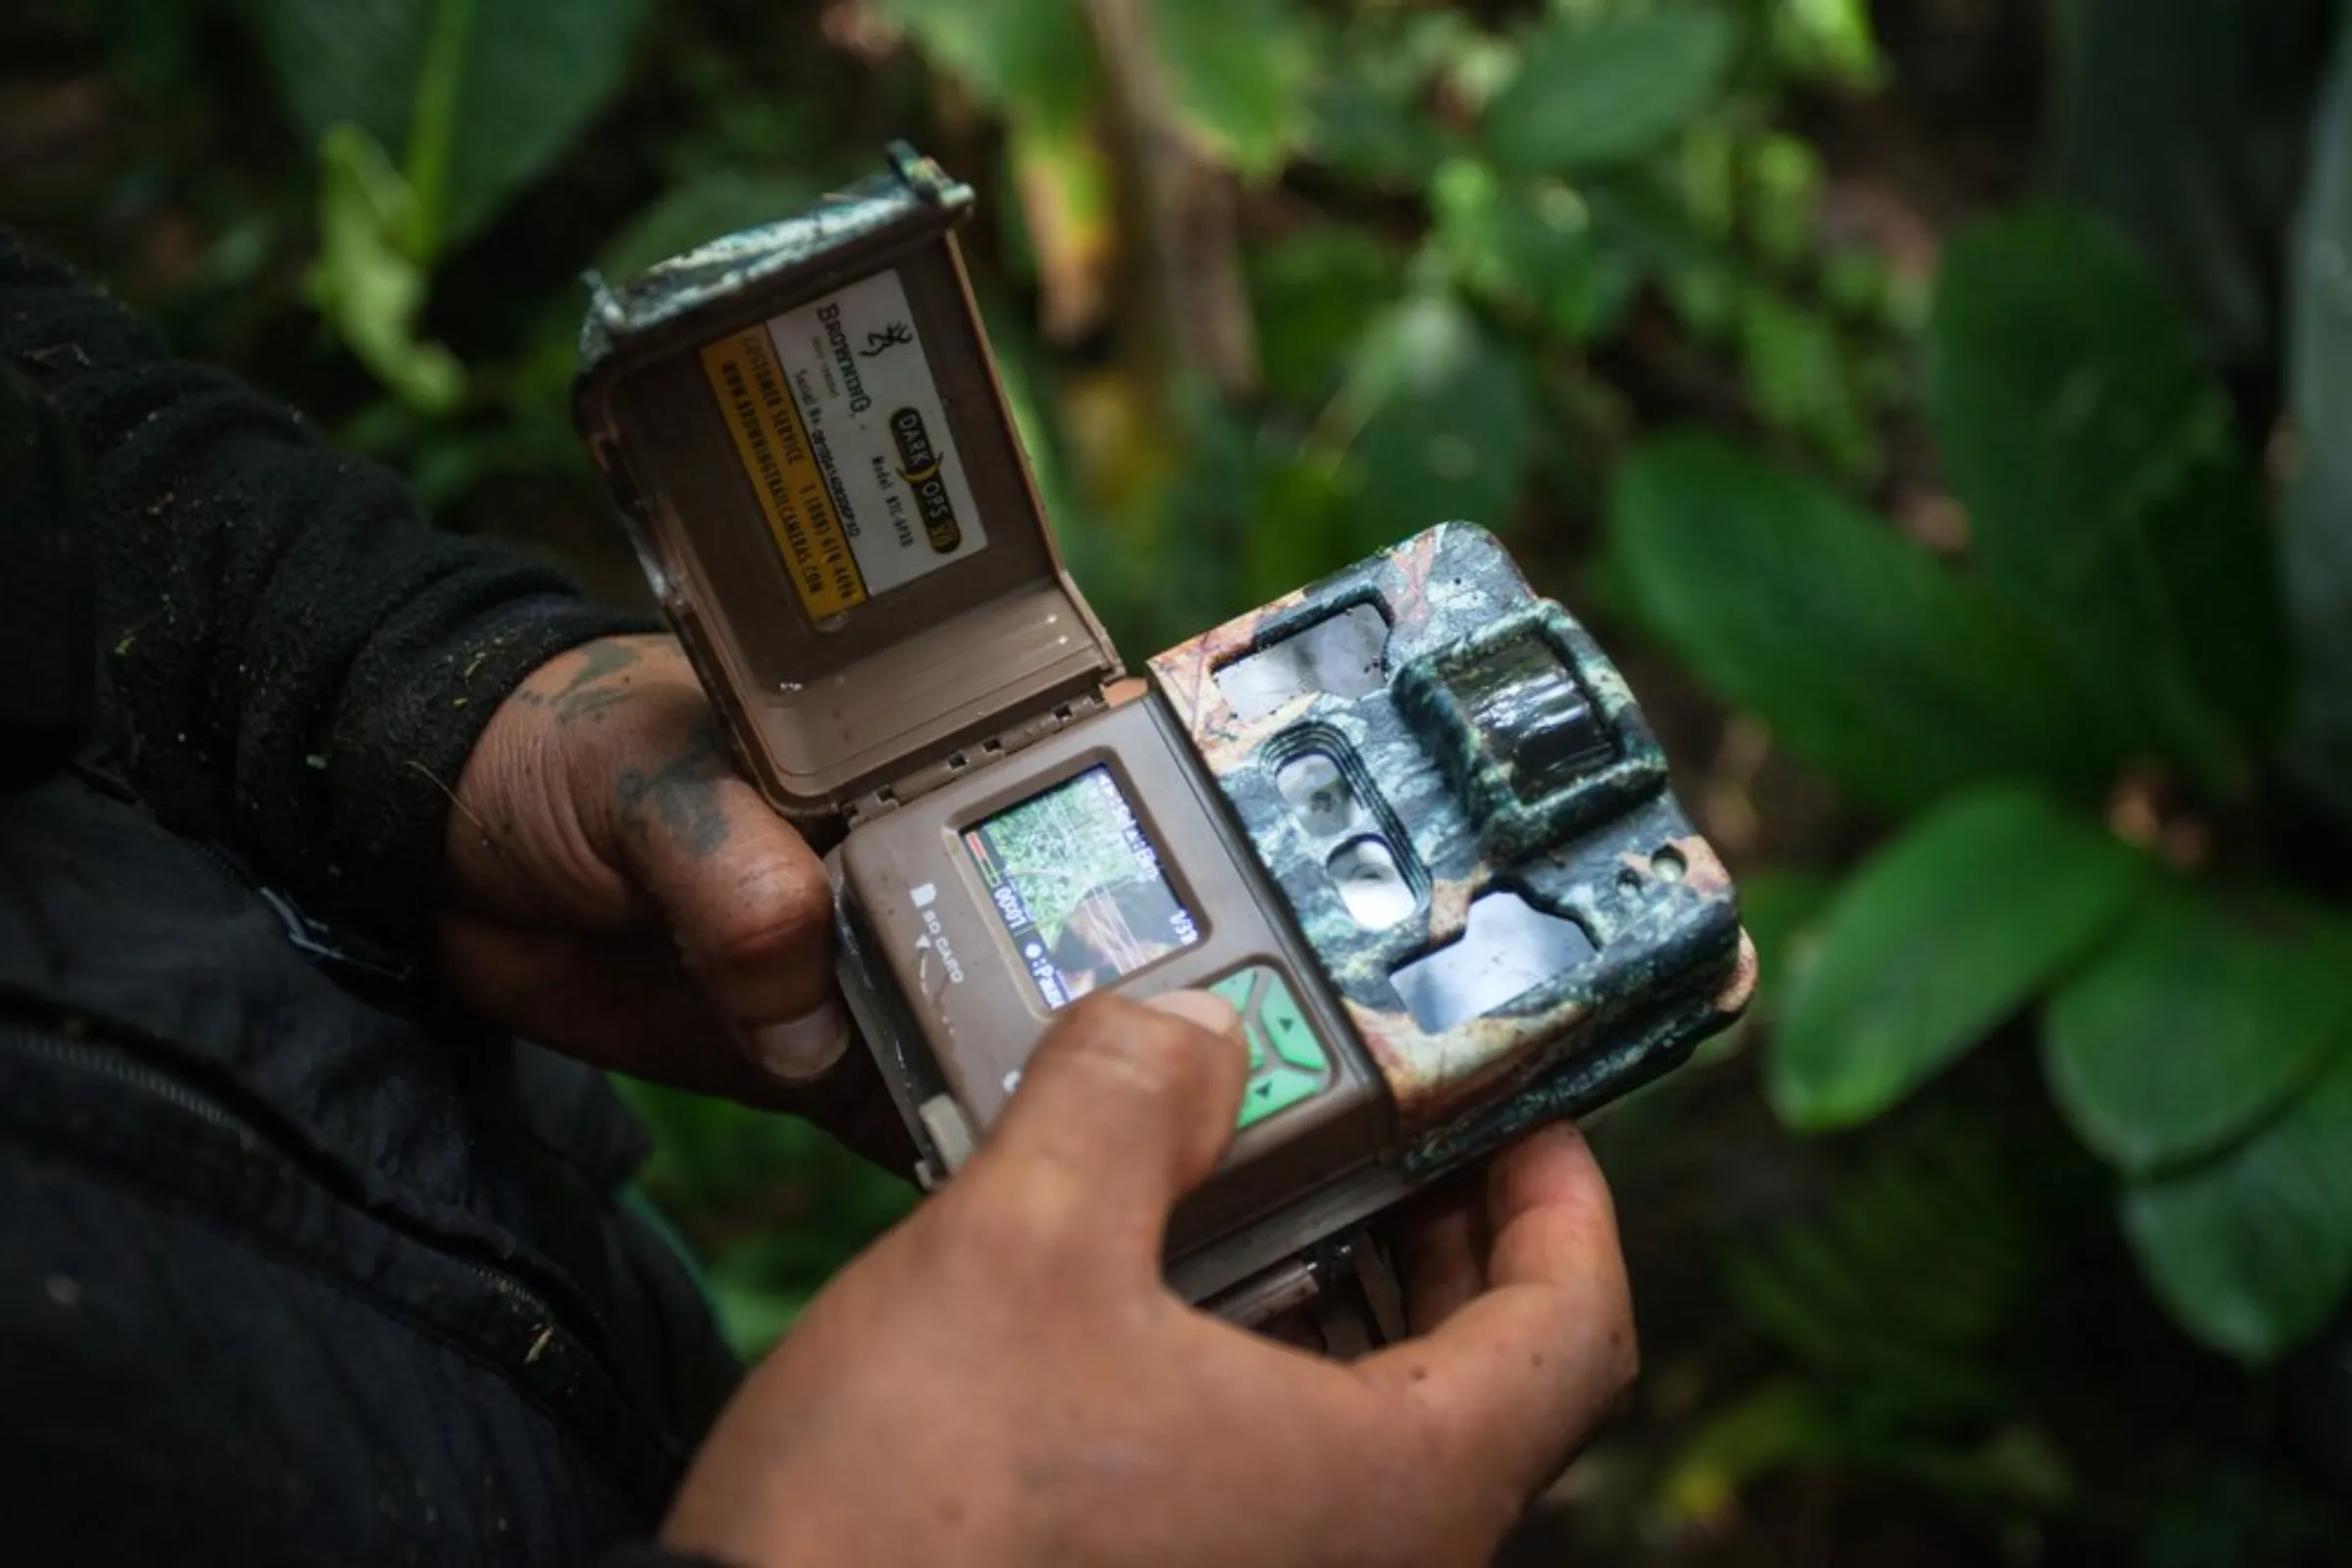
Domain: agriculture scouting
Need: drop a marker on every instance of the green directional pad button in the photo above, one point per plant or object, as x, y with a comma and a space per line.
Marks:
1275, 1091
1286, 1032
1288, 1065
1238, 987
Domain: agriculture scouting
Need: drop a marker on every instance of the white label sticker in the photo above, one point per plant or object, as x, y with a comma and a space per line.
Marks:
877, 432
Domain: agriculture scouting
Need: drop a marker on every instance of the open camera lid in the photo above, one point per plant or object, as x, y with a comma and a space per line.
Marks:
803, 428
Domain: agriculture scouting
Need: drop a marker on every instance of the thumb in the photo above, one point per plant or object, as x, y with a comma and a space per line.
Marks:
747, 902
1123, 1110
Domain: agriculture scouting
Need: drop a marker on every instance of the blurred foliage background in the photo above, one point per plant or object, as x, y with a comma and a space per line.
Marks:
1943, 408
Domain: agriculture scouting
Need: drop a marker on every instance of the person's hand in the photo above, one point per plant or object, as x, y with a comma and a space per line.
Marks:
619, 893
1006, 1379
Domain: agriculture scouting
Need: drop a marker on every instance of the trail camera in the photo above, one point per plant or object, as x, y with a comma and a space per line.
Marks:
1408, 820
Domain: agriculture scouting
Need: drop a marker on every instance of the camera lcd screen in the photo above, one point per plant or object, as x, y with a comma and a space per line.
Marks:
1080, 887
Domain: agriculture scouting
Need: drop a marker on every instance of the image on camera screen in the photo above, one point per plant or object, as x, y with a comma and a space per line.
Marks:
1080, 887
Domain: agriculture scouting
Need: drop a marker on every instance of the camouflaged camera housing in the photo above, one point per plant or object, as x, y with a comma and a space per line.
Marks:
1510, 771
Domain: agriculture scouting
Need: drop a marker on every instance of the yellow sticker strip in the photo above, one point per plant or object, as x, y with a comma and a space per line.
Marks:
784, 474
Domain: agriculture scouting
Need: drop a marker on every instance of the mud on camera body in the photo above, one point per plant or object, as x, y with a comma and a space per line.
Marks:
1408, 820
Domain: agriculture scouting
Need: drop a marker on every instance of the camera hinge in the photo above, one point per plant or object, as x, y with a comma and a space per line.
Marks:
970, 759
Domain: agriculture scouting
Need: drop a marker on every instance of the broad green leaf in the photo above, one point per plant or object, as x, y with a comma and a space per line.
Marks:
1533, 247
1865, 655
1953, 928
1240, 68
1785, 181
702, 209
340, 62
368, 281
1372, 132
2109, 498
754, 1317
2318, 534
1798, 377
1034, 55
1443, 418
1781, 912
1297, 529
1901, 1280
2195, 1023
471, 98
1314, 292
1828, 38
2252, 1252
1377, 69
1607, 90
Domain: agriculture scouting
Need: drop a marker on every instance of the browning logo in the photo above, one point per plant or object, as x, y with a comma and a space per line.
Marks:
919, 467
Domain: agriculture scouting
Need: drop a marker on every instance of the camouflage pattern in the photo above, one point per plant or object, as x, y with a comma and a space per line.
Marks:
914, 190
1608, 847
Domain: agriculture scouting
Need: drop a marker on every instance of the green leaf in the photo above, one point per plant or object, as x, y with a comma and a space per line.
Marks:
2196, 1024
1943, 935
753, 1317
1034, 55
472, 98
1781, 912
1370, 118
1901, 1280
1370, 132
1240, 68
342, 62
2317, 539
2108, 495
2251, 1252
1536, 247
1607, 90
368, 281
1800, 381
1443, 419
1314, 292
1863, 654
1831, 40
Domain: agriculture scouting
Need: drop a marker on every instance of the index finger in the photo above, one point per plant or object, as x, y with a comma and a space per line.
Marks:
1515, 1379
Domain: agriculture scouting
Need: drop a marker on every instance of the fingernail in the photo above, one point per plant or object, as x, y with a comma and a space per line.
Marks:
806, 1046
1210, 1011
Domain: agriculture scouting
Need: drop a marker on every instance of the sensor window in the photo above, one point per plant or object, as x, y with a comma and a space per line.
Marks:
1510, 949
1344, 655
1371, 884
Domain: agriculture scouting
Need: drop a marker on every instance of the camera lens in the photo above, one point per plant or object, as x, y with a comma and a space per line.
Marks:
1371, 884
1320, 795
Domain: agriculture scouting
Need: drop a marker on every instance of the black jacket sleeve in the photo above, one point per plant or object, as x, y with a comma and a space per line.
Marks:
304, 663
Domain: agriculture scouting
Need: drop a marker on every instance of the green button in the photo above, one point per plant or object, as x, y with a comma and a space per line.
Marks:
1275, 1091
1286, 1031
1286, 1062
1237, 986
1237, 989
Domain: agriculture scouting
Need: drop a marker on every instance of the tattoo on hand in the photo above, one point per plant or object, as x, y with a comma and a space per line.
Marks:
593, 688
683, 792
